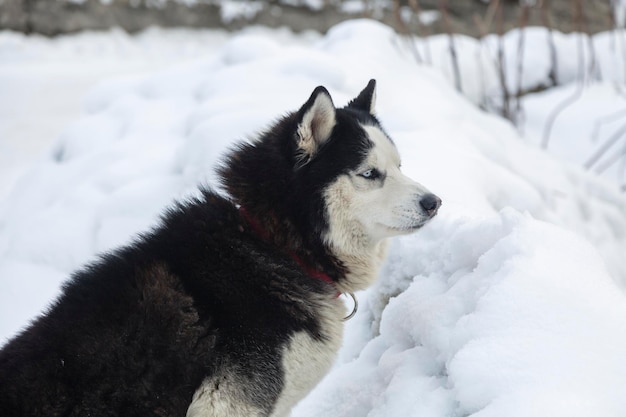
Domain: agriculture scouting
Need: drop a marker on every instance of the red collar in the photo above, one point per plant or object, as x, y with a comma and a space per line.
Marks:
312, 272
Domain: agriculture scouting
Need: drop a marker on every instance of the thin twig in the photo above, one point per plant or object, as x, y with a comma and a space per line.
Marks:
608, 162
604, 148
547, 22
597, 126
484, 26
619, 34
491, 13
482, 30
584, 28
579, 85
520, 65
401, 25
443, 7
406, 31
506, 97
423, 32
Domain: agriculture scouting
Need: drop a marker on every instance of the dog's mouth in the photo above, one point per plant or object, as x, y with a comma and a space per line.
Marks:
409, 228
411, 221
412, 226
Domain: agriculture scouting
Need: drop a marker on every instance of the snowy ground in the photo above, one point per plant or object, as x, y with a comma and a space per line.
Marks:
48, 80
511, 303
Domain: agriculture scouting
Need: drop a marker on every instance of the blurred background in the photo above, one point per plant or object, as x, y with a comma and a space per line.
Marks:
423, 17
502, 55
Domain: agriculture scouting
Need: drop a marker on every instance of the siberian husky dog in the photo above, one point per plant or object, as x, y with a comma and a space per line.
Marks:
230, 306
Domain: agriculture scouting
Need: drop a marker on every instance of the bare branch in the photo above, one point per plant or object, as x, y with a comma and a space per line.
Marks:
520, 64
580, 82
404, 29
617, 156
506, 97
547, 22
597, 126
443, 8
422, 31
604, 148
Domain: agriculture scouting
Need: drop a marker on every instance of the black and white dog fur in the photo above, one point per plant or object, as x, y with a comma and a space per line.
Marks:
229, 307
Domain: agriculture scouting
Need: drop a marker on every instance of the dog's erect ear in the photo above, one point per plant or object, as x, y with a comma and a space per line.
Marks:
317, 118
366, 100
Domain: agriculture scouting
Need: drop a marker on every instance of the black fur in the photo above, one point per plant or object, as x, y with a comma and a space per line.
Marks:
136, 333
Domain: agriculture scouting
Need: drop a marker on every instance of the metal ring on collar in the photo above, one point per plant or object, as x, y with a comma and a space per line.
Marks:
354, 309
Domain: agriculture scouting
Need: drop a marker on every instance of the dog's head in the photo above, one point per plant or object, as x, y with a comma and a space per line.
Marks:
368, 197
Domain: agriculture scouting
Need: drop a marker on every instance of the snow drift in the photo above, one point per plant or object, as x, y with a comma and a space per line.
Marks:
510, 303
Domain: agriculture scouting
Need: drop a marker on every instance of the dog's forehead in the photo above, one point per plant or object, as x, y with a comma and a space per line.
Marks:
383, 151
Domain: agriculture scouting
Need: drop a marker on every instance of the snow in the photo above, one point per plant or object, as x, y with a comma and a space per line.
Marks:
494, 326
233, 10
510, 303
600, 102
577, 57
587, 106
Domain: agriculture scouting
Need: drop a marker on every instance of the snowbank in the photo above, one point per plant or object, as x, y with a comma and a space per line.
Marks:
510, 303
514, 317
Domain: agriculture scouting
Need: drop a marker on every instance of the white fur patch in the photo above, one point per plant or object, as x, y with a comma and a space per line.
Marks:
219, 396
306, 360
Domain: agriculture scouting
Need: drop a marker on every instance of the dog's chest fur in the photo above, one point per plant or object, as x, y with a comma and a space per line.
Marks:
304, 362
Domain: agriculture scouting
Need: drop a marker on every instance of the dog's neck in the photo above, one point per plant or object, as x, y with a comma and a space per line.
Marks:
361, 268
350, 272
263, 232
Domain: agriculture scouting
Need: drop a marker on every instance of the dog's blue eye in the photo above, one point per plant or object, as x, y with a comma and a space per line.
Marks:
370, 174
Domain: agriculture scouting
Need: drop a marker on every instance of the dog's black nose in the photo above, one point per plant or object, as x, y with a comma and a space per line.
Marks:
430, 203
